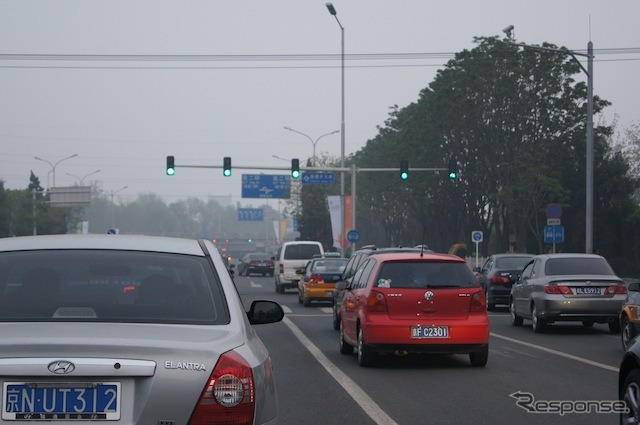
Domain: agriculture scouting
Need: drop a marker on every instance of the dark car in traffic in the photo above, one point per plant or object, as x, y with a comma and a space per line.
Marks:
255, 263
497, 275
629, 384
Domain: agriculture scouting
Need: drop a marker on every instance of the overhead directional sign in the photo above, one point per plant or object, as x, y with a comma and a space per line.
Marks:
266, 186
250, 214
318, 178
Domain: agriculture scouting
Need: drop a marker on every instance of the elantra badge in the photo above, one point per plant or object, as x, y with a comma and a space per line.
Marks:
61, 367
428, 296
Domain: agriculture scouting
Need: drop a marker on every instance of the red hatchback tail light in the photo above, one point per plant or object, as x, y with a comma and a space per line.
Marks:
478, 303
228, 398
376, 302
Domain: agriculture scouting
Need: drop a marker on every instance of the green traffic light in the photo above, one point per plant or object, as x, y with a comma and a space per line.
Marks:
453, 169
295, 168
404, 176
227, 172
404, 169
171, 169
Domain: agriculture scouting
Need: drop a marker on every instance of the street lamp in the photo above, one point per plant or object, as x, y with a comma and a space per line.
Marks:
314, 143
589, 165
113, 192
53, 166
82, 179
333, 12
281, 158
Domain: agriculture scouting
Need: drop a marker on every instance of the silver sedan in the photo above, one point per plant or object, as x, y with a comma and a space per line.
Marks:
129, 329
567, 287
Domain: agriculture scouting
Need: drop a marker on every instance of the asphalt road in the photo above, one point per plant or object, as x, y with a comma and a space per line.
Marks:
530, 378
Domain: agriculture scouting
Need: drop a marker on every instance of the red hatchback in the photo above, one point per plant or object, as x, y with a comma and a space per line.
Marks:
414, 302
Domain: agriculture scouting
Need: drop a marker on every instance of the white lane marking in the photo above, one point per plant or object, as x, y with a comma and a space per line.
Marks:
557, 353
328, 310
359, 396
255, 285
286, 309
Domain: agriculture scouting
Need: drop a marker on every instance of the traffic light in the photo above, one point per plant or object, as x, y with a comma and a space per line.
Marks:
404, 169
226, 166
453, 169
171, 169
249, 240
295, 168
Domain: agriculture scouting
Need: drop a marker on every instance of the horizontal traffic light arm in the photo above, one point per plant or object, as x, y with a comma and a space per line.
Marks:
288, 168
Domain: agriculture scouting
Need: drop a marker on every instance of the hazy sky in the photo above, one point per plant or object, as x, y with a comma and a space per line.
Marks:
257, 66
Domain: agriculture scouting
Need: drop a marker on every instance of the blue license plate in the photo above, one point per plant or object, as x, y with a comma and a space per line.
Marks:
420, 332
588, 290
62, 402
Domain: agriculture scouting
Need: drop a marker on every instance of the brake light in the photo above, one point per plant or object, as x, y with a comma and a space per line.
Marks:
316, 278
500, 279
616, 290
376, 303
229, 395
478, 303
281, 269
554, 289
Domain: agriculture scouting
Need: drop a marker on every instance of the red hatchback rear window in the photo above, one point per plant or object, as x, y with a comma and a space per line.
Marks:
413, 274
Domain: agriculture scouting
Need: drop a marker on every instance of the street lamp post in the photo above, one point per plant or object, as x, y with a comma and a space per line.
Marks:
53, 166
333, 12
589, 157
314, 143
84, 177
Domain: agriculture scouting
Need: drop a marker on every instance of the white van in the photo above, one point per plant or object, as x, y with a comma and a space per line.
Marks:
290, 257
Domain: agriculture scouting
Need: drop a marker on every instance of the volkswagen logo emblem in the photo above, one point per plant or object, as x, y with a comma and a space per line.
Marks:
61, 367
428, 295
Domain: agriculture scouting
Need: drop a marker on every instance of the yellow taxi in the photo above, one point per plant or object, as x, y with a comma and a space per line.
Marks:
318, 279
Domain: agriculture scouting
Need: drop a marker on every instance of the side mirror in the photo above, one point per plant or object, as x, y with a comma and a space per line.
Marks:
477, 269
634, 287
300, 271
341, 284
263, 311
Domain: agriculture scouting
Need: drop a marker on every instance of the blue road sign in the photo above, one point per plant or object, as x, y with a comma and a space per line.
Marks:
554, 234
250, 214
318, 177
353, 236
266, 186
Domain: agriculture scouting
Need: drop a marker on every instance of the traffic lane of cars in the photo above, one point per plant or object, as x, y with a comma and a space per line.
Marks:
545, 375
512, 368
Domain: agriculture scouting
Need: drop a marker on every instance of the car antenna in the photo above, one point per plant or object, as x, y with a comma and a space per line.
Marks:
424, 230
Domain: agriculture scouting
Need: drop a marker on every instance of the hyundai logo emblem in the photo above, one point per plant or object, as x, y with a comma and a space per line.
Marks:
428, 295
61, 367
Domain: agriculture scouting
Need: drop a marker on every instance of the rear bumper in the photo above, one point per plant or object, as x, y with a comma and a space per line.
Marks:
318, 294
465, 336
260, 270
560, 308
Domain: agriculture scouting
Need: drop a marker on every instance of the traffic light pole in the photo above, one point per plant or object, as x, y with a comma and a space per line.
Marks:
353, 170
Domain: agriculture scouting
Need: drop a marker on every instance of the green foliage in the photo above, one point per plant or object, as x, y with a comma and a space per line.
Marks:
515, 121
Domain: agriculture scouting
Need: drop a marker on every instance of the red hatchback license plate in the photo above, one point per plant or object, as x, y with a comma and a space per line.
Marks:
420, 332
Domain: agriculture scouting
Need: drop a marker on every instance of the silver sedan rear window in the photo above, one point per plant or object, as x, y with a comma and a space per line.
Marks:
109, 286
